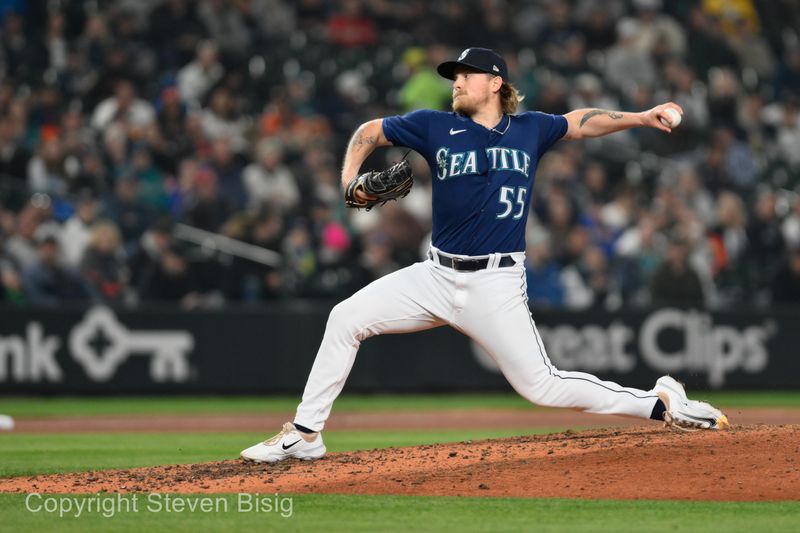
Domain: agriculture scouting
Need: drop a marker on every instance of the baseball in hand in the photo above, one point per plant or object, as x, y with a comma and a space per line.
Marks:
672, 119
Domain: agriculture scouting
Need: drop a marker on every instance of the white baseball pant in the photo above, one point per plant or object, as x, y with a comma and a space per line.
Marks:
490, 306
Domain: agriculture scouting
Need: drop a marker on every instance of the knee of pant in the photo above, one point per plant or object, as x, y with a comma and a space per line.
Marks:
540, 391
346, 317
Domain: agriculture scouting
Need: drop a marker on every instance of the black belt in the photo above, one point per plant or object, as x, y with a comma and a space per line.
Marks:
470, 265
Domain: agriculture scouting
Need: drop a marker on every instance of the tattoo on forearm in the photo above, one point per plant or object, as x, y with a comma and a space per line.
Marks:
361, 139
359, 145
594, 112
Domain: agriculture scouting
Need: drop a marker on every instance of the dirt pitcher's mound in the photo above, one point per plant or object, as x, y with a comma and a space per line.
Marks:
749, 463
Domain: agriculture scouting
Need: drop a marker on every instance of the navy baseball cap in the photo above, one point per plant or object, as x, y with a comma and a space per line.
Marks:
482, 59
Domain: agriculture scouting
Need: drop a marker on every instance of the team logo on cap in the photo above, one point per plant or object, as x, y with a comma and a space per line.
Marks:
463, 54
494, 68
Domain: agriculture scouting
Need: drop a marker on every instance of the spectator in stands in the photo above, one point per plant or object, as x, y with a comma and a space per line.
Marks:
151, 185
24, 56
596, 185
765, 243
658, 34
49, 283
76, 233
132, 215
350, 27
21, 245
709, 45
251, 281
103, 263
690, 190
790, 227
375, 261
336, 273
14, 156
11, 289
229, 25
675, 282
752, 49
91, 175
228, 171
558, 27
723, 97
268, 180
170, 279
11, 285
55, 42
132, 56
221, 120
151, 247
206, 209
588, 283
168, 139
95, 42
276, 19
788, 134
627, 64
46, 171
638, 253
125, 108
424, 88
727, 241
786, 284
175, 31
728, 164
597, 24
787, 78
588, 92
543, 276
199, 76
558, 216
299, 254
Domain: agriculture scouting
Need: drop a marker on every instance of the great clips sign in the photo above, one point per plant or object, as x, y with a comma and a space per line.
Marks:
709, 349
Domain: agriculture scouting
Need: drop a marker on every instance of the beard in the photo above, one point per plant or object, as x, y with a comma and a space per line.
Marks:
464, 106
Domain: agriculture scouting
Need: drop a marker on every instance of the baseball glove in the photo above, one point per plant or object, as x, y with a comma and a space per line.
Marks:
393, 183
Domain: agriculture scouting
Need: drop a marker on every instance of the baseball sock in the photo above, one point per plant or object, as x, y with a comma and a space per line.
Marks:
658, 411
303, 429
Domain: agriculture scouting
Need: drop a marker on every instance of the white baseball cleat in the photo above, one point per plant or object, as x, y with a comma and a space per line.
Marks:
685, 414
288, 443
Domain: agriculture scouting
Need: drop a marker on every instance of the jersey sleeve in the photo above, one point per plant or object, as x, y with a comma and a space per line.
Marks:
551, 128
410, 130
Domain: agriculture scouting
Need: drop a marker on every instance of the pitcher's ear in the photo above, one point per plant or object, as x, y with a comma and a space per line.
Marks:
497, 83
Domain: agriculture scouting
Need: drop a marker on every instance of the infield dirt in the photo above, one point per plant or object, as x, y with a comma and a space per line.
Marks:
748, 463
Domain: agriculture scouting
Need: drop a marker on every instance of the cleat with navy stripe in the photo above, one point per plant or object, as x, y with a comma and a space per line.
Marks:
684, 414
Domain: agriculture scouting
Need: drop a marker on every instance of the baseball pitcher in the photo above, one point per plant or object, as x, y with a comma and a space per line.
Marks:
483, 159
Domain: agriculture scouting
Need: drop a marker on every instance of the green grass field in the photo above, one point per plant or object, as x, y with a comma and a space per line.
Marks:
332, 513
101, 405
22, 454
29, 454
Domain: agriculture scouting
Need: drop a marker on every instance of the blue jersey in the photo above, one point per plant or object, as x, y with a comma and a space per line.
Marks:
482, 178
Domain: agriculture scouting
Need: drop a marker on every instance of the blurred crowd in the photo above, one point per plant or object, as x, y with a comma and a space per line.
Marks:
126, 123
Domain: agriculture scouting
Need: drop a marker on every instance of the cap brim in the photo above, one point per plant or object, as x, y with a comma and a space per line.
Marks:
448, 69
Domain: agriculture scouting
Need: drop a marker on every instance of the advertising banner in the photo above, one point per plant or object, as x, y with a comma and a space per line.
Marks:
104, 350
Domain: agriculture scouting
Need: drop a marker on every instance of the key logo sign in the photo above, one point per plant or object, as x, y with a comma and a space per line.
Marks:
32, 358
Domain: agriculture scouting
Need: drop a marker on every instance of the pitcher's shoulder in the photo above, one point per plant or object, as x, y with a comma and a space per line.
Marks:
533, 116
